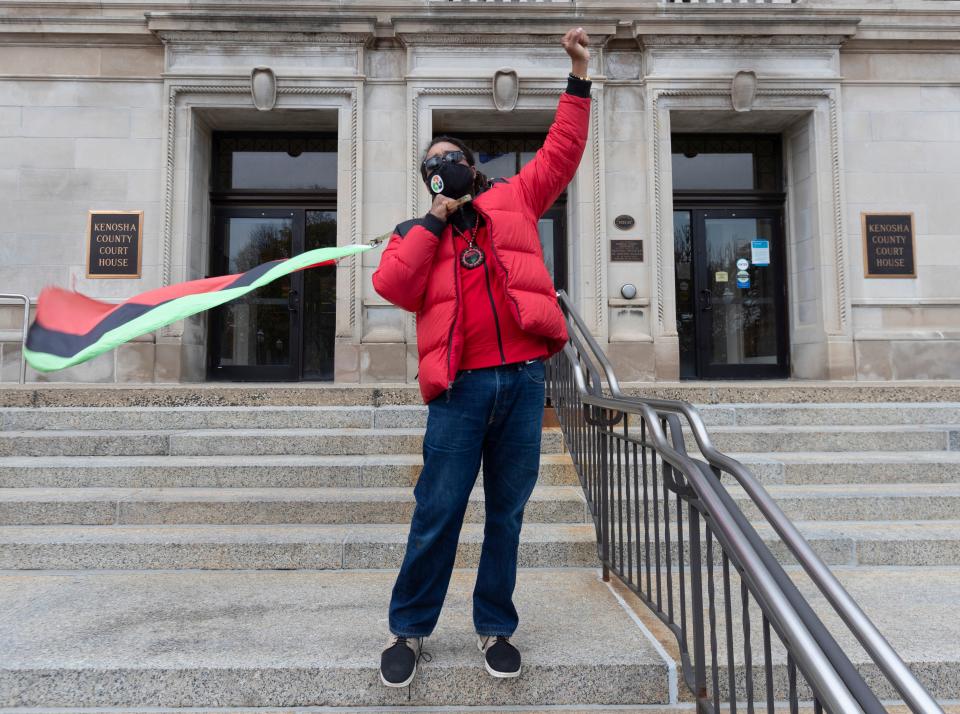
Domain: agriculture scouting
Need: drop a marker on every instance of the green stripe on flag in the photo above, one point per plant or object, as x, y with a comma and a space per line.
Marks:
179, 308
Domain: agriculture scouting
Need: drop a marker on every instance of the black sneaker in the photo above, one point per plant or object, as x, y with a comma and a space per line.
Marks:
398, 663
500, 657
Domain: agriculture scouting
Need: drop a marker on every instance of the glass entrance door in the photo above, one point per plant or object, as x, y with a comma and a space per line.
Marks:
283, 331
731, 288
257, 337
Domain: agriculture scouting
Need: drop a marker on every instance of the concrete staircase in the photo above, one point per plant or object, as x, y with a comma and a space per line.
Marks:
224, 546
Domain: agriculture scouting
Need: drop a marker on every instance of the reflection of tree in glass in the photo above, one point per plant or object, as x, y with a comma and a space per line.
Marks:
266, 242
683, 272
319, 299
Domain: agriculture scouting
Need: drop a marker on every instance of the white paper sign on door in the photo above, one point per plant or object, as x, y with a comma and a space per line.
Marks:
760, 252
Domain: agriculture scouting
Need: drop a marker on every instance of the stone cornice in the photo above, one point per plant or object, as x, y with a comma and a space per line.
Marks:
864, 23
344, 28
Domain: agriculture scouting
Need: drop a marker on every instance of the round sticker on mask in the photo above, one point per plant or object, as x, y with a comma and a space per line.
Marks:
436, 184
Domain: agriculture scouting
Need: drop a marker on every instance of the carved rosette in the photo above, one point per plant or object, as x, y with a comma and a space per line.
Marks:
263, 88
506, 89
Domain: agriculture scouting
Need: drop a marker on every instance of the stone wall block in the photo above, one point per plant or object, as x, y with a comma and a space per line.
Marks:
29, 282
385, 125
10, 121
146, 123
382, 323
873, 360
118, 94
76, 122
17, 59
34, 250
929, 359
144, 186
137, 154
346, 362
98, 369
131, 62
666, 351
632, 361
136, 362
31, 93
166, 366
384, 185
72, 185
808, 360
625, 126
383, 362
413, 361
385, 156
10, 361
35, 153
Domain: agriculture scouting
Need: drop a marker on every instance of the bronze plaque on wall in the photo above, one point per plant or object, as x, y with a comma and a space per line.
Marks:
626, 251
888, 245
114, 247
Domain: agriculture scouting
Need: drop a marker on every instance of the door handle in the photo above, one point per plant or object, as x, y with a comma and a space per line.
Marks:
706, 300
293, 301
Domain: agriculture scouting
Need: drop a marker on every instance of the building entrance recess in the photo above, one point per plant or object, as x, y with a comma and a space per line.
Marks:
730, 258
274, 197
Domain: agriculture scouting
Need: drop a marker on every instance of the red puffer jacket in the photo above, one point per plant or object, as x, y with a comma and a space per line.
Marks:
418, 269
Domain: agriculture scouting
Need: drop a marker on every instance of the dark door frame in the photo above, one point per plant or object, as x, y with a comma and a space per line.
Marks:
703, 308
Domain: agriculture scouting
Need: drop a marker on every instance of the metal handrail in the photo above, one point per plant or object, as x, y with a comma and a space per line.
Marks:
26, 323
812, 661
881, 652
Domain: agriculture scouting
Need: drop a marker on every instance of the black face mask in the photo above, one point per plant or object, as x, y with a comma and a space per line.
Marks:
452, 180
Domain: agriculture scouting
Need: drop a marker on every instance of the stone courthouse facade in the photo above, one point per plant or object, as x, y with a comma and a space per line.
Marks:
769, 189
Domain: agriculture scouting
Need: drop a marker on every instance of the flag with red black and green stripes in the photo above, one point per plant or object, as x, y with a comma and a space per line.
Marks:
71, 328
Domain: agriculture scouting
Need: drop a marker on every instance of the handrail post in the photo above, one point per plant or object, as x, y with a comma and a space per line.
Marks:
24, 328
696, 604
604, 498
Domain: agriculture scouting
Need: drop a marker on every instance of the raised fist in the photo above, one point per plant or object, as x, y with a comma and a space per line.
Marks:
575, 42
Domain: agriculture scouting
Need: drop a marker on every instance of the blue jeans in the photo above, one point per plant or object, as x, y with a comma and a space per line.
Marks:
496, 413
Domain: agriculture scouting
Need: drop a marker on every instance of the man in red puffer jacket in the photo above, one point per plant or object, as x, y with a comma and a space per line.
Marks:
487, 318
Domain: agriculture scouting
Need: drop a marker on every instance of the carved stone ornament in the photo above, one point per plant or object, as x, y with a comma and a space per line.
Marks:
506, 89
263, 88
743, 90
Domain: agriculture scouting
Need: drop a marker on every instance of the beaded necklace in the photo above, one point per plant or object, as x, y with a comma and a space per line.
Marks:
470, 257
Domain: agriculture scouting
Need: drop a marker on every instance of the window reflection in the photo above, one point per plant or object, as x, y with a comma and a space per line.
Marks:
275, 162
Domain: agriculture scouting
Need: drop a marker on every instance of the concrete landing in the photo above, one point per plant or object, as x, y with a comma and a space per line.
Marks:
304, 638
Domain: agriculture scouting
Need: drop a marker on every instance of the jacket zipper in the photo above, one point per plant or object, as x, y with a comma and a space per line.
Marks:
506, 275
456, 311
496, 320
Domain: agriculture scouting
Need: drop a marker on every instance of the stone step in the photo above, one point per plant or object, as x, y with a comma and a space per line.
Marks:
781, 708
557, 709
274, 471
282, 547
305, 638
274, 547
849, 414
415, 416
842, 438
859, 502
913, 608
203, 442
250, 506
317, 393
209, 442
684, 708
835, 467
181, 418
830, 467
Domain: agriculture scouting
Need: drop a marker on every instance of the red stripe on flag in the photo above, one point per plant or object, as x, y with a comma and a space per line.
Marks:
77, 314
